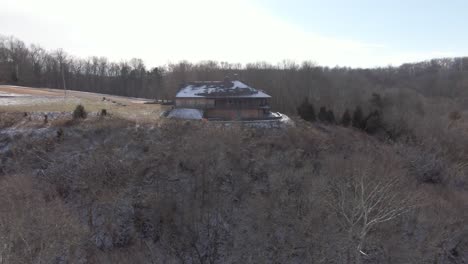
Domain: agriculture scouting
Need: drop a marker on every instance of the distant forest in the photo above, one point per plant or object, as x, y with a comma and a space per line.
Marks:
288, 82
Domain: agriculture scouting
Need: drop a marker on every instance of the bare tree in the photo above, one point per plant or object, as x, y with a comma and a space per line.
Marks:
366, 197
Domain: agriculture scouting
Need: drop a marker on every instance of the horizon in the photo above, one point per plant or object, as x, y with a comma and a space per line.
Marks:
164, 32
278, 64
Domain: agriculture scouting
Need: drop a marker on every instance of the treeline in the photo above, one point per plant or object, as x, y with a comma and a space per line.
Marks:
371, 122
36, 67
288, 82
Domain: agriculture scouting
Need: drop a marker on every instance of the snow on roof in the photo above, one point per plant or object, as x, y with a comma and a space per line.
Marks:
220, 89
185, 113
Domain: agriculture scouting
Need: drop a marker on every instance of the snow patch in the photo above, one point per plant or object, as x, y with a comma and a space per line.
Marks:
214, 89
185, 113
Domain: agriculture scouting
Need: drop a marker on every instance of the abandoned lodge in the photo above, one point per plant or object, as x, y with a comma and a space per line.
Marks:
223, 101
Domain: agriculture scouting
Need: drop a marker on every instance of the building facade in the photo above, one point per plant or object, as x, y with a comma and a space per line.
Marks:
224, 100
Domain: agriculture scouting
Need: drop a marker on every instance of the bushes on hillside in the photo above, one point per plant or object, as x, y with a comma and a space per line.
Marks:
306, 110
370, 123
79, 112
357, 118
346, 119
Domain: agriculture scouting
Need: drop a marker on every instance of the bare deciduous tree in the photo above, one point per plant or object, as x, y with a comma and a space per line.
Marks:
366, 197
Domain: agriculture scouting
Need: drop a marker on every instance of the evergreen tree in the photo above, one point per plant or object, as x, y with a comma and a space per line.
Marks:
373, 122
79, 112
376, 101
306, 111
346, 119
311, 113
331, 117
323, 115
358, 118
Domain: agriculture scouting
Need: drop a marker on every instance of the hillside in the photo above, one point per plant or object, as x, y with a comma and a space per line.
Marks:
110, 190
377, 174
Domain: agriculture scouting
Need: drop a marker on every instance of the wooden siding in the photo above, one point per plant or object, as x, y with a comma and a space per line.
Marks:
200, 103
223, 103
227, 108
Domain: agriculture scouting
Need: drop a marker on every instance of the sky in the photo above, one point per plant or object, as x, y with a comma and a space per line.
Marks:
360, 33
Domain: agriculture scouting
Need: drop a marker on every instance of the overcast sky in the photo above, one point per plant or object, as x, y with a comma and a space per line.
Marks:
364, 33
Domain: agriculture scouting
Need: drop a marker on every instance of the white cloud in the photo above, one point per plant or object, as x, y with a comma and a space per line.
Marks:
172, 30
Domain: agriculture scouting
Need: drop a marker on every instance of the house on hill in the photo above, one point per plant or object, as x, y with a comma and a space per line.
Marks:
222, 100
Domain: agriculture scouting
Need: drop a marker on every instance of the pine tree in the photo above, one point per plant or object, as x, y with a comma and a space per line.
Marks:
331, 117
323, 115
306, 111
358, 118
346, 119
79, 112
311, 113
373, 122
376, 101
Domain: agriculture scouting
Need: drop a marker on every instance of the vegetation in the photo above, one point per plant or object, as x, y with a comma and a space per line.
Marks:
306, 111
346, 119
146, 194
79, 112
385, 183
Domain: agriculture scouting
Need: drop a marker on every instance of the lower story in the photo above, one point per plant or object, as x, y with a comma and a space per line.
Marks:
236, 114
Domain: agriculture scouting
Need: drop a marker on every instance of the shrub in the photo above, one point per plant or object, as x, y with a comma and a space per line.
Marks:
323, 114
427, 165
454, 116
357, 117
373, 122
60, 134
79, 112
306, 111
376, 101
346, 119
331, 117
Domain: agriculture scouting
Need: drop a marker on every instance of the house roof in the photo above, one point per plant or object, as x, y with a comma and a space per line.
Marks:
217, 89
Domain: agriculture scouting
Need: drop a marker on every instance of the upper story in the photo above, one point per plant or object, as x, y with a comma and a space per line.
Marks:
225, 94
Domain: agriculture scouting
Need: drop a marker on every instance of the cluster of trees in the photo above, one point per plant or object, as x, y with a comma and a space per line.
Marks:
339, 88
312, 197
36, 67
371, 123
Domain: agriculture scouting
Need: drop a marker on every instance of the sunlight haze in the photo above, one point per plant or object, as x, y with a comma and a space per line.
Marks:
235, 31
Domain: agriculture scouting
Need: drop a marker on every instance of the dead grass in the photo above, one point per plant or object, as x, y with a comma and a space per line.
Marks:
51, 100
29, 91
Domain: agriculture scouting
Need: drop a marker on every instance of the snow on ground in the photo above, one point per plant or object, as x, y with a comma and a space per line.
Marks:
185, 113
29, 100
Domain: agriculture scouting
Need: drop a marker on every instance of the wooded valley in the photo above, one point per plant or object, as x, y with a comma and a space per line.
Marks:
374, 171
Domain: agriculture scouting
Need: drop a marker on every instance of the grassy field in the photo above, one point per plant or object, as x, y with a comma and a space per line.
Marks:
31, 100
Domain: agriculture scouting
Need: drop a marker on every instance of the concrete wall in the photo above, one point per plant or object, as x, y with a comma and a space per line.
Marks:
234, 114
